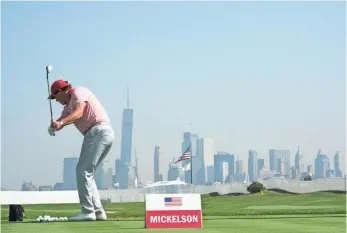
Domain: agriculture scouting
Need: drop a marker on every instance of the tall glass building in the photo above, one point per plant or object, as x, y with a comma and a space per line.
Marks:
69, 173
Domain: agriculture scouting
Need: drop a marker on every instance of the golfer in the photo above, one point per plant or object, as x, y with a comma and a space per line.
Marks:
83, 110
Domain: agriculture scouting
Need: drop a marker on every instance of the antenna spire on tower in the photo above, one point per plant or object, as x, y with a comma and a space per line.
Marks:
128, 99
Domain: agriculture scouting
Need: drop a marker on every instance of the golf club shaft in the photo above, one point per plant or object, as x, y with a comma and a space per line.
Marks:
50, 102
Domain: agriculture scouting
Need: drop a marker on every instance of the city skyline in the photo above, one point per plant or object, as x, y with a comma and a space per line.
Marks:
226, 168
247, 75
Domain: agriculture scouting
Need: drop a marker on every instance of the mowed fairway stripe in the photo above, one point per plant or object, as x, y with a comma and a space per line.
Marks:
326, 224
298, 225
303, 225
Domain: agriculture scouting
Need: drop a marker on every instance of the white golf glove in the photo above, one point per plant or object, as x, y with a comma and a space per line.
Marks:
51, 131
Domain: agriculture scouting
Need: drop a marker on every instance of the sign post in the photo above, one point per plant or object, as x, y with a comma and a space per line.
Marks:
173, 211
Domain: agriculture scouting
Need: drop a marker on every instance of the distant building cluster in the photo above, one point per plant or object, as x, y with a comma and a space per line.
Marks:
205, 167
226, 168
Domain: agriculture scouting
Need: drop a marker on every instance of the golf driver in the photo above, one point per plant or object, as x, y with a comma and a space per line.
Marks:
48, 70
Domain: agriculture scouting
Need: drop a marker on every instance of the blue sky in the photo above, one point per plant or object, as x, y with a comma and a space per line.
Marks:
248, 75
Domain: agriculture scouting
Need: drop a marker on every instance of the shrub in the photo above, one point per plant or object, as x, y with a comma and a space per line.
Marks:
255, 187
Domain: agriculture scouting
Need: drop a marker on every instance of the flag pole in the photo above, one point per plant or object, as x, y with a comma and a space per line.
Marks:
191, 168
191, 156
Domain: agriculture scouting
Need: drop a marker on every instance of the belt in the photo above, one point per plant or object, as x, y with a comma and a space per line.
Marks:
95, 124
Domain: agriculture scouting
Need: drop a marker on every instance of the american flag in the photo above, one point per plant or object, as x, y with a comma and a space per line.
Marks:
173, 201
186, 155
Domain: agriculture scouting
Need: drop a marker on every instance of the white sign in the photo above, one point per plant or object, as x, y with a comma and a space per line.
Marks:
173, 211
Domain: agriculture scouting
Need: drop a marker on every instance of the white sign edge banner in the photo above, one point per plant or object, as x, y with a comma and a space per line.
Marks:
190, 201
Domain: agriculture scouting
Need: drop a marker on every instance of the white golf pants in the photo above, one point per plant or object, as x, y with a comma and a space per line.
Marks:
96, 144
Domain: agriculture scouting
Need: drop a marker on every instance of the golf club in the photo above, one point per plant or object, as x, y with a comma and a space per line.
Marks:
48, 70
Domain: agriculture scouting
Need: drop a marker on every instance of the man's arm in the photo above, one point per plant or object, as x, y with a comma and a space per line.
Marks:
76, 114
53, 123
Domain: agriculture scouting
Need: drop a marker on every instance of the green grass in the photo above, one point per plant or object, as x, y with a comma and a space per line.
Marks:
270, 203
272, 212
279, 225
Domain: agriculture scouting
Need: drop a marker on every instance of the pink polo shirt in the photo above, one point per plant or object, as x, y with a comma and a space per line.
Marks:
93, 112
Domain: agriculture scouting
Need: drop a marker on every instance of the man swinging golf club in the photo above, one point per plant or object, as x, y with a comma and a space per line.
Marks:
83, 110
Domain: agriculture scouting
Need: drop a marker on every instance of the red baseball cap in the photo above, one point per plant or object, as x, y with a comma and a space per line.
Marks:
57, 85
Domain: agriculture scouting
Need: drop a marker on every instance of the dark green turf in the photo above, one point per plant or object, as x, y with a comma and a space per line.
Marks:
278, 225
270, 203
272, 212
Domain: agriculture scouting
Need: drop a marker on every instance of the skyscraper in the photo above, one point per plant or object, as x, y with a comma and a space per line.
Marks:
132, 182
108, 183
210, 174
127, 133
280, 161
156, 164
261, 164
225, 172
137, 167
240, 175
252, 165
219, 160
321, 165
239, 166
190, 139
309, 169
207, 158
121, 174
126, 147
173, 172
69, 173
297, 160
99, 177
208, 151
200, 162
337, 168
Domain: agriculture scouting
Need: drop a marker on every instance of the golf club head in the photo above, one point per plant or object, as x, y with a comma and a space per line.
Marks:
49, 68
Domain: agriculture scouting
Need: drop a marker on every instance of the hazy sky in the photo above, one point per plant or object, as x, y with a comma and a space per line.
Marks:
248, 75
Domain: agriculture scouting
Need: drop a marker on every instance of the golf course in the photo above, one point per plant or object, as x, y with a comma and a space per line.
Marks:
272, 212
